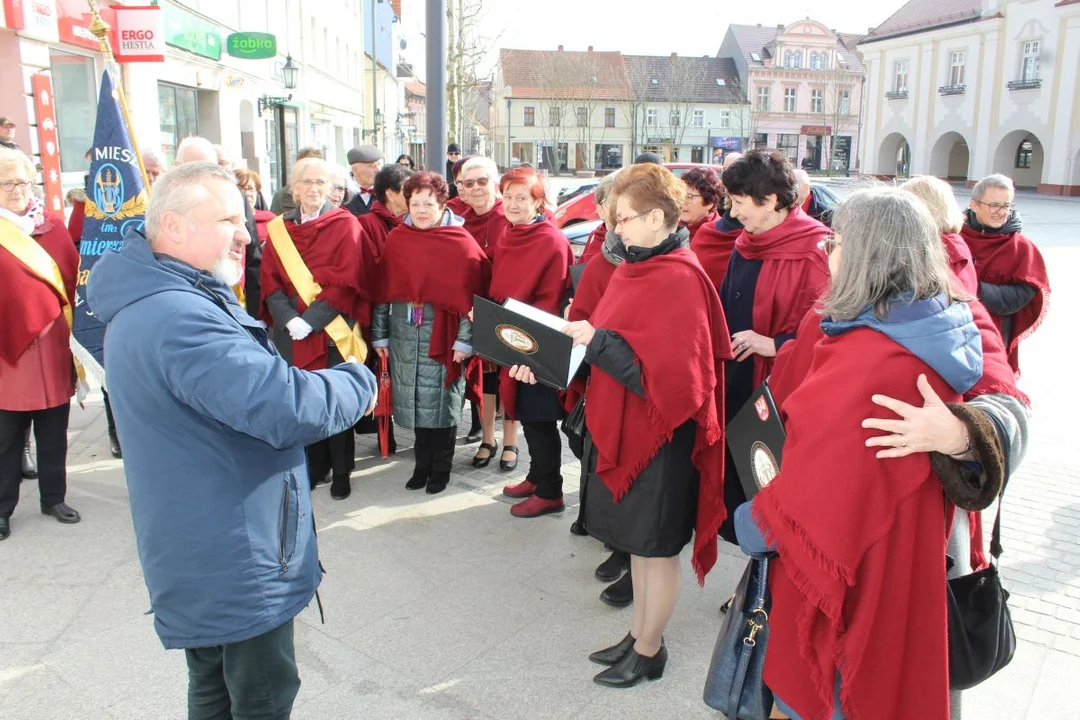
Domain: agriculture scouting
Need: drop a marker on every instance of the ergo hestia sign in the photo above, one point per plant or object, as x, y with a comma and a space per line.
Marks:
251, 45
140, 34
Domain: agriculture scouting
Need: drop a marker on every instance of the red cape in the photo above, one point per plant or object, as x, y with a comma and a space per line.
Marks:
594, 243
960, 262
591, 287
858, 585
377, 225
262, 219
75, 222
332, 248
683, 376
713, 248
532, 265
457, 206
1008, 259
31, 304
693, 228
794, 275
487, 228
442, 266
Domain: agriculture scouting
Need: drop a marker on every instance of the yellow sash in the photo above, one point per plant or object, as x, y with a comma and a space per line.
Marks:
30, 253
348, 340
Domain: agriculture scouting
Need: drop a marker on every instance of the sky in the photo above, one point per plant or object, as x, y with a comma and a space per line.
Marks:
688, 27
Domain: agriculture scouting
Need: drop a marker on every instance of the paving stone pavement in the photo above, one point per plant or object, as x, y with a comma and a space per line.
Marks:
447, 607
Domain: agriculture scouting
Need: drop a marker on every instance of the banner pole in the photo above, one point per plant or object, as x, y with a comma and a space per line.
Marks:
100, 29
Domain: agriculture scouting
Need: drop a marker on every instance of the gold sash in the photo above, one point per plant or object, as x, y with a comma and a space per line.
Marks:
348, 340
30, 253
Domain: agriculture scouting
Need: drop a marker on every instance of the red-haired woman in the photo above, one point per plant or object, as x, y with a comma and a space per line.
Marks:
704, 193
430, 270
775, 275
330, 244
532, 265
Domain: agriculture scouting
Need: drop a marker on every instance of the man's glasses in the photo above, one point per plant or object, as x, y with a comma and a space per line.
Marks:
9, 185
470, 184
997, 207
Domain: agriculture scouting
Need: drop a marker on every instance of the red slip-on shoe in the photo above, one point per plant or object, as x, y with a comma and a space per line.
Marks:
520, 490
536, 506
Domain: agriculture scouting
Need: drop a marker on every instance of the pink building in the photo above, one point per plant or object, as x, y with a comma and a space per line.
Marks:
804, 83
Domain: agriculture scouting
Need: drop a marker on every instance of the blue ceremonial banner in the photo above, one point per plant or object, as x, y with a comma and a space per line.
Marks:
115, 203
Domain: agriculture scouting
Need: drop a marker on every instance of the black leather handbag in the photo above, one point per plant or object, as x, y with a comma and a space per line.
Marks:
981, 637
735, 685
573, 426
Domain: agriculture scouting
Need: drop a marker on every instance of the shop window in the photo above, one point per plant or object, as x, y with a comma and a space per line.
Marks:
74, 80
178, 110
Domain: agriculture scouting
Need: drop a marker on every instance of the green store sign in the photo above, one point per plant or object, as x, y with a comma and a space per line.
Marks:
251, 45
190, 32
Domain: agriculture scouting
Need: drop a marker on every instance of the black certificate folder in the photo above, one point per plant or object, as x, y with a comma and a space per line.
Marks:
755, 437
518, 334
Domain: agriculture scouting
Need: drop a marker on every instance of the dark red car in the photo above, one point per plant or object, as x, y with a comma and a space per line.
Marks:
583, 207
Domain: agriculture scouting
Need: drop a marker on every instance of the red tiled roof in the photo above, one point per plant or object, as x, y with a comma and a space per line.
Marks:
416, 88
565, 73
698, 75
1063, 3
396, 4
920, 15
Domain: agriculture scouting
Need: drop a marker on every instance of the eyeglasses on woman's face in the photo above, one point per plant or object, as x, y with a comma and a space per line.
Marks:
470, 184
619, 222
996, 208
316, 182
337, 189
9, 185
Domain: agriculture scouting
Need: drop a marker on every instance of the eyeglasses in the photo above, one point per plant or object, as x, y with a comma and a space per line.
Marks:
470, 184
997, 207
337, 188
622, 221
693, 196
453, 154
829, 244
320, 183
9, 185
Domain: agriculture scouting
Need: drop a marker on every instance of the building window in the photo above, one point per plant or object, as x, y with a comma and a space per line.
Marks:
817, 101
763, 99
674, 118
179, 117
900, 71
582, 117
530, 116
651, 117
554, 116
843, 101
75, 97
1024, 155
1029, 71
725, 118
956, 68
609, 117
761, 140
789, 146
798, 58
699, 118
789, 58
790, 99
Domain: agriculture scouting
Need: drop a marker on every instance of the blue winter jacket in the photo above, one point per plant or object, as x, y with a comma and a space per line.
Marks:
214, 424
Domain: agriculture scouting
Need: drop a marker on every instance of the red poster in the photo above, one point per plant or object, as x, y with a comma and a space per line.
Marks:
50, 148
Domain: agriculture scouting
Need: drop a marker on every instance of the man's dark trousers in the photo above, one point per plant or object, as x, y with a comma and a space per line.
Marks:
251, 680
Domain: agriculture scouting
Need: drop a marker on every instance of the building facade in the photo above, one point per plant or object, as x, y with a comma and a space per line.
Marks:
201, 90
566, 111
804, 83
985, 88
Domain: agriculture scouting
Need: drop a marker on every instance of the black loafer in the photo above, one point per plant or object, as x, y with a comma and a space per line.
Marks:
5, 528
612, 569
634, 668
62, 512
611, 655
474, 435
114, 446
483, 462
620, 593
508, 465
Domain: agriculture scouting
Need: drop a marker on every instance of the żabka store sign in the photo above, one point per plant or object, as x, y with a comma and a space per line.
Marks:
140, 34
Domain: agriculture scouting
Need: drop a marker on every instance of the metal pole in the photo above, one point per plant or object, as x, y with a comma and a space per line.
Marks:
374, 78
436, 84
509, 140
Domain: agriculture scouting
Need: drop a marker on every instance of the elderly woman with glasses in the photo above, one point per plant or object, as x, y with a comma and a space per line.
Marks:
704, 193
38, 264
860, 554
329, 242
1013, 282
250, 184
339, 193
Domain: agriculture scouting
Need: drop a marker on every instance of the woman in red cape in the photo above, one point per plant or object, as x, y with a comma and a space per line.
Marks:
655, 440
713, 245
478, 186
596, 237
456, 204
387, 209
532, 266
704, 193
430, 271
858, 622
1013, 281
775, 274
940, 200
329, 241
37, 376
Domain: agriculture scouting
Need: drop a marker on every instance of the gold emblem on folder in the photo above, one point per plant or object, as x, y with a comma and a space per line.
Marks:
763, 463
516, 339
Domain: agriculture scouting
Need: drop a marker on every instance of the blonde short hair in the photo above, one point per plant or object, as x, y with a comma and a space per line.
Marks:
940, 200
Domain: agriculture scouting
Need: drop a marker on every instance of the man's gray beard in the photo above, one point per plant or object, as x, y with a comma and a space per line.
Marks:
228, 271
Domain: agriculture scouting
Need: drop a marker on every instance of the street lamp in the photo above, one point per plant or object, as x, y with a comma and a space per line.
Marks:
290, 74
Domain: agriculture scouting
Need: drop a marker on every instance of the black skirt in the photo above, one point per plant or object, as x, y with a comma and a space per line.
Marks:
656, 516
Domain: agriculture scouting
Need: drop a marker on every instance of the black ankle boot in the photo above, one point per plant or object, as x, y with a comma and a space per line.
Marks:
620, 593
611, 655
114, 445
633, 668
29, 463
340, 487
419, 479
438, 482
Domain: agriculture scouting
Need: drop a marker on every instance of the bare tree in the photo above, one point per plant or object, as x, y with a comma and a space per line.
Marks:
559, 94
635, 108
684, 79
838, 111
588, 119
466, 48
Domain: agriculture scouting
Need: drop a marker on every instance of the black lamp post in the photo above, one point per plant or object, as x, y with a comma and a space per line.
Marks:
290, 76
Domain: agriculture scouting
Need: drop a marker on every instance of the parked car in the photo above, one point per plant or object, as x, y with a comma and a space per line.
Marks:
568, 193
583, 207
578, 235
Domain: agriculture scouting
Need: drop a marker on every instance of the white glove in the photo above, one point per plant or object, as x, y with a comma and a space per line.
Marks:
298, 328
82, 389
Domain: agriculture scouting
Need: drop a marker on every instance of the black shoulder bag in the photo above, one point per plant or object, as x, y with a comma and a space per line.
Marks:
981, 637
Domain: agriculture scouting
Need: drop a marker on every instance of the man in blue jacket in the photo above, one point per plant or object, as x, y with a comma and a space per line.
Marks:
214, 424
